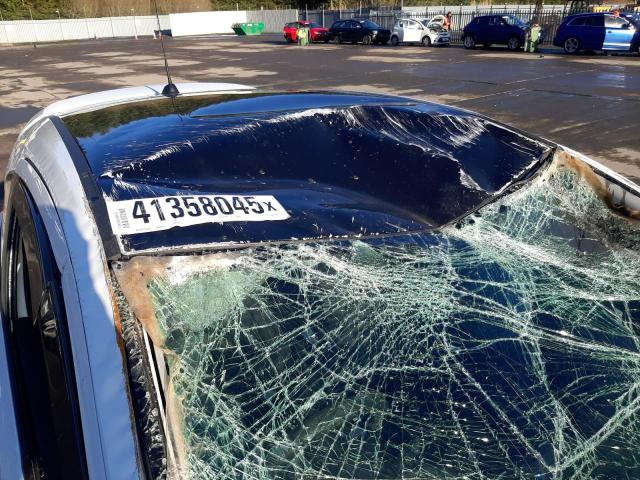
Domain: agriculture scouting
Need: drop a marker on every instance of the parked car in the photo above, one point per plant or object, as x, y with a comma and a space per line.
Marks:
595, 31
355, 31
318, 32
490, 30
230, 283
426, 32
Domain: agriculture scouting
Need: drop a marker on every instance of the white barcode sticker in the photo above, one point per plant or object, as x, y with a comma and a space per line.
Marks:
161, 213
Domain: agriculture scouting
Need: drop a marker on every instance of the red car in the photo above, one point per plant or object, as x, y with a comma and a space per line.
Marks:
318, 33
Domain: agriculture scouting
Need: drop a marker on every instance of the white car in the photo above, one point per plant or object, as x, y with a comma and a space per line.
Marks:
229, 283
427, 32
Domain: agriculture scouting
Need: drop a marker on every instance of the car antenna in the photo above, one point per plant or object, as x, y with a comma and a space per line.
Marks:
170, 89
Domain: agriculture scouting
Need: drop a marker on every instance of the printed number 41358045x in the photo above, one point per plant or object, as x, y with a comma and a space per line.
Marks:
161, 213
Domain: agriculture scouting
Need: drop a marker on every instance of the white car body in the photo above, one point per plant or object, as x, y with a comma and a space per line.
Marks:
426, 32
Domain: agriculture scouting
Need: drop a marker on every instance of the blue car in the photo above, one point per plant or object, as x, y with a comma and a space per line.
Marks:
595, 31
488, 30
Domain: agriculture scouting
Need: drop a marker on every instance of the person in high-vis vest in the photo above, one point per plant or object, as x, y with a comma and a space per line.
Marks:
303, 35
533, 38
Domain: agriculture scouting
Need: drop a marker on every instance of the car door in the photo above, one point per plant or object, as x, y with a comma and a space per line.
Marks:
335, 30
38, 347
618, 33
592, 36
413, 31
479, 28
501, 31
344, 30
356, 31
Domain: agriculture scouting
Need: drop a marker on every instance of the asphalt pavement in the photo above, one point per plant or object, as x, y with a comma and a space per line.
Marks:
588, 102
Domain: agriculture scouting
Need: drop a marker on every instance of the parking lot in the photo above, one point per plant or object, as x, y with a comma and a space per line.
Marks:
588, 102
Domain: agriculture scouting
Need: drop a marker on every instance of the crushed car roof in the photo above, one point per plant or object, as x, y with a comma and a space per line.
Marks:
291, 166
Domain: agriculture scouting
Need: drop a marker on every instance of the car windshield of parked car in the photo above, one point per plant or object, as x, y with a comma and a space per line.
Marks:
370, 24
504, 346
513, 20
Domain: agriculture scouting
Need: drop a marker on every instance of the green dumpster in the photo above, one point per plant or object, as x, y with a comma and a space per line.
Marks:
248, 28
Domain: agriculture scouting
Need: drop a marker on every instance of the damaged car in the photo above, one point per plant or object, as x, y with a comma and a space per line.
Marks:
425, 32
239, 284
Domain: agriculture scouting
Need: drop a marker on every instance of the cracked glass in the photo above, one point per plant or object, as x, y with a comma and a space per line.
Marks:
504, 346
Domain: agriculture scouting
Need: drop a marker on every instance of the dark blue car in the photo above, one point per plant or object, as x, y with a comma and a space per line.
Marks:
595, 31
488, 30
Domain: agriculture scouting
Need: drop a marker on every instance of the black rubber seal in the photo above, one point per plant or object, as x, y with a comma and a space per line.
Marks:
91, 190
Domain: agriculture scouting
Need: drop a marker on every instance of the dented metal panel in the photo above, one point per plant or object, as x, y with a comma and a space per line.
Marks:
342, 165
505, 345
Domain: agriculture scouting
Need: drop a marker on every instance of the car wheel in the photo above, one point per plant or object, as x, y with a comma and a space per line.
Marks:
367, 39
469, 42
394, 41
339, 37
426, 41
571, 45
513, 44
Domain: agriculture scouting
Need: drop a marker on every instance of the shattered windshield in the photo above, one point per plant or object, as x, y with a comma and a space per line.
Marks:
505, 346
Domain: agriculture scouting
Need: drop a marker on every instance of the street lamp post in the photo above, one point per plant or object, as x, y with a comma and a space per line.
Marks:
60, 23
135, 27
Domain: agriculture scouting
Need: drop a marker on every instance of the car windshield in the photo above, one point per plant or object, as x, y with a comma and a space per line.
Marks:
369, 24
314, 25
513, 20
503, 346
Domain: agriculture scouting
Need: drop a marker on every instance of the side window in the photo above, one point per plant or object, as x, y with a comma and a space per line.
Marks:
577, 22
614, 22
595, 21
50, 429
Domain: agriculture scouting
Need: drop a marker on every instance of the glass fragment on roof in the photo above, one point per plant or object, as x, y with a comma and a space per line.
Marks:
505, 347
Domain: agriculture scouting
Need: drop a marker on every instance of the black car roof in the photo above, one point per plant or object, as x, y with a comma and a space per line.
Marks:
341, 164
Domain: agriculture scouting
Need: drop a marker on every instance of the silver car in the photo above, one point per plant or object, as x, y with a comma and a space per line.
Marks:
426, 32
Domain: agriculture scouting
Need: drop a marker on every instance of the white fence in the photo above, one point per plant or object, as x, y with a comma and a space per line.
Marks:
27, 31
203, 23
197, 23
